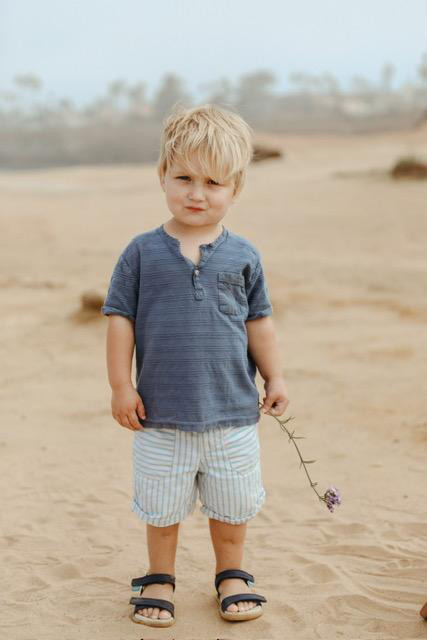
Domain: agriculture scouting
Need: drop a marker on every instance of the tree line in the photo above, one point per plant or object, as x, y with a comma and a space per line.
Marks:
36, 131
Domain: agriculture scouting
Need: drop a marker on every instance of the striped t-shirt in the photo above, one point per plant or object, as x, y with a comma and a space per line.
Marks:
194, 371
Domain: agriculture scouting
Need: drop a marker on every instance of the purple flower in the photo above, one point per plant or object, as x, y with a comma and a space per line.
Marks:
332, 498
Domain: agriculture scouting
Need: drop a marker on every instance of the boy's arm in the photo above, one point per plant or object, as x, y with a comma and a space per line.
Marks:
126, 403
120, 348
264, 349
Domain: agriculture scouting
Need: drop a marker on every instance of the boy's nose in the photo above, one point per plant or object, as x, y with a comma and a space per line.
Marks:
196, 193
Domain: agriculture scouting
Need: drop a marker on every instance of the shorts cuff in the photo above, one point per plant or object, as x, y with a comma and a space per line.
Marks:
237, 520
160, 521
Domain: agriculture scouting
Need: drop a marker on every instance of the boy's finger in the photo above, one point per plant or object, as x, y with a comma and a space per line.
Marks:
281, 404
133, 419
276, 411
124, 422
279, 407
140, 410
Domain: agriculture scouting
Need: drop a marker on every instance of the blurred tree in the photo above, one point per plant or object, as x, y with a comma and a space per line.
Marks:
219, 92
329, 87
304, 82
31, 85
329, 84
138, 104
422, 69
99, 109
10, 113
10, 97
28, 81
364, 92
387, 73
361, 85
66, 112
116, 94
170, 91
66, 104
254, 97
306, 87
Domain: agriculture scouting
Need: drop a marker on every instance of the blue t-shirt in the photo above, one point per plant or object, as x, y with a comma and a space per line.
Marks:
194, 371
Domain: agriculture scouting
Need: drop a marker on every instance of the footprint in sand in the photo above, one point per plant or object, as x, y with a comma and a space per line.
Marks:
321, 573
65, 571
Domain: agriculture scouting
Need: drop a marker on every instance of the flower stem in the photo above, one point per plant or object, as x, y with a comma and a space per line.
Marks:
303, 463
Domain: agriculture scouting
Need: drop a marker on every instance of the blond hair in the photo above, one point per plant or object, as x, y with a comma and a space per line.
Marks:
221, 139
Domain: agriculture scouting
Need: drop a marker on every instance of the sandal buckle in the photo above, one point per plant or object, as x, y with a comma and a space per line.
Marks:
136, 588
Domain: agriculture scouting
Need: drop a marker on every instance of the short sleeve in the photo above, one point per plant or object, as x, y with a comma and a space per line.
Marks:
122, 295
258, 296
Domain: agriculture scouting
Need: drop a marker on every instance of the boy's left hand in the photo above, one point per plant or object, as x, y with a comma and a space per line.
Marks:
277, 395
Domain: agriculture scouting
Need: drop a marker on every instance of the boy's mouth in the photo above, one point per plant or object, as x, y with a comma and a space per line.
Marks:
194, 209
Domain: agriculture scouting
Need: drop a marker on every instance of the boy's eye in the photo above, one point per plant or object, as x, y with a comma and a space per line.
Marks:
188, 178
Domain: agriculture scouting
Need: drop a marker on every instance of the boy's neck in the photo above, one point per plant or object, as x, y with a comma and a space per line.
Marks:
208, 232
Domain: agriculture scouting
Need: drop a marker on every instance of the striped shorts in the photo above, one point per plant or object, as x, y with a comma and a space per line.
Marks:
172, 468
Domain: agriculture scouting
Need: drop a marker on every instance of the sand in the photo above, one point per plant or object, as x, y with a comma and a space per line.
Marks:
344, 250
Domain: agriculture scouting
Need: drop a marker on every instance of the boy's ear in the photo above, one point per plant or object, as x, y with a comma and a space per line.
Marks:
161, 178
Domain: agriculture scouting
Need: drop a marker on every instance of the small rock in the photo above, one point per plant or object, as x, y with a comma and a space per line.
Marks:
261, 152
409, 167
91, 301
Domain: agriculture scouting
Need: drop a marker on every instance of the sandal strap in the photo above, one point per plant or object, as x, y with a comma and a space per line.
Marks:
232, 573
160, 578
142, 603
254, 597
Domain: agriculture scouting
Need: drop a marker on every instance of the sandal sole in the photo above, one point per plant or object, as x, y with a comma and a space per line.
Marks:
153, 622
235, 616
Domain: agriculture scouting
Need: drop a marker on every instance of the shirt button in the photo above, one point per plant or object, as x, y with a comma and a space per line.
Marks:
196, 271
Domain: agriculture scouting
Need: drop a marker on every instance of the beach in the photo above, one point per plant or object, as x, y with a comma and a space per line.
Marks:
344, 253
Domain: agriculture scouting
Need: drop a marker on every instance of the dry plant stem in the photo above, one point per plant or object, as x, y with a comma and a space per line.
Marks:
292, 439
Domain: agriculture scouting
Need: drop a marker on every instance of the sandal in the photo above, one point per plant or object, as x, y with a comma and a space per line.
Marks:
250, 614
142, 603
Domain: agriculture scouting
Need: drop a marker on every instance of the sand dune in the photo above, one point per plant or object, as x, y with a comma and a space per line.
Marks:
344, 251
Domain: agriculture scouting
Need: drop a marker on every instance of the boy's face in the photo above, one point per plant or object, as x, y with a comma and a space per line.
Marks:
194, 199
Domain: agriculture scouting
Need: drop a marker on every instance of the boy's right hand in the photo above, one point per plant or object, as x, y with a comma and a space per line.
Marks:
126, 406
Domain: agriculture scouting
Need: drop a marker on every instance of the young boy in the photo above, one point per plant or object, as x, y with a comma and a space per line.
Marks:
191, 296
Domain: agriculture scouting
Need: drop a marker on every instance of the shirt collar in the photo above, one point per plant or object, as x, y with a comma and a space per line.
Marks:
210, 245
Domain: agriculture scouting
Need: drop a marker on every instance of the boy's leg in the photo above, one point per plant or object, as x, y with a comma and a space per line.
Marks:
161, 543
165, 490
228, 540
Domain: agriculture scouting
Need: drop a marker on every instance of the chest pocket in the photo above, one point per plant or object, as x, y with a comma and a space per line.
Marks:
232, 294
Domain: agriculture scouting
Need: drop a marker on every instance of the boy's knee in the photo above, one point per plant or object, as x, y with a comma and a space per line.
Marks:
164, 531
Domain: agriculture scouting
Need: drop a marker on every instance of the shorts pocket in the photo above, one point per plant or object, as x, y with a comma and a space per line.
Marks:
154, 452
241, 448
232, 294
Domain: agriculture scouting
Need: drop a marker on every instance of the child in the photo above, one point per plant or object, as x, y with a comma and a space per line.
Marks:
191, 295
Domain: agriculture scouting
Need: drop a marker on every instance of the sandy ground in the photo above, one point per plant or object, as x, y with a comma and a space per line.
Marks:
344, 249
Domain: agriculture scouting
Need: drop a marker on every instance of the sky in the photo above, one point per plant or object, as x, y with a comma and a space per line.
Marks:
77, 47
